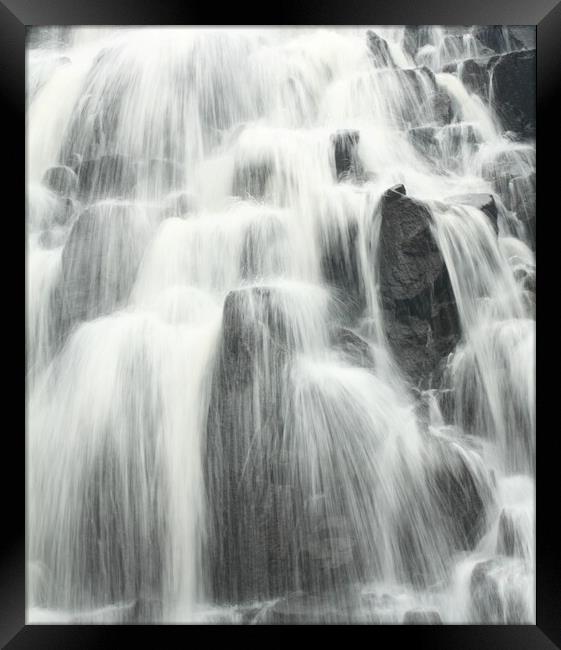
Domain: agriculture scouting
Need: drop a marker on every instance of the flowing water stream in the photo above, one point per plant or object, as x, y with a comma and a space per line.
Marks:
221, 426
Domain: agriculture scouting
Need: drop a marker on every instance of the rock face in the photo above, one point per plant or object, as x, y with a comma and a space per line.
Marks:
484, 202
514, 92
420, 311
100, 260
62, 180
378, 47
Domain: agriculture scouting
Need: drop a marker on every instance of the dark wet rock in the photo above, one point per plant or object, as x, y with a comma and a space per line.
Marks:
484, 202
340, 267
510, 540
251, 178
415, 37
354, 348
463, 490
499, 38
422, 617
514, 92
474, 73
424, 139
347, 161
379, 49
100, 260
62, 180
110, 176
251, 505
420, 312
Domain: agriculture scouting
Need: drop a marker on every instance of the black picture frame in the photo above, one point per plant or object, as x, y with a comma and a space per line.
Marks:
15, 16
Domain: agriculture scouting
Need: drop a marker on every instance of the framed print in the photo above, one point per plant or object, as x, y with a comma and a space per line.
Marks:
280, 323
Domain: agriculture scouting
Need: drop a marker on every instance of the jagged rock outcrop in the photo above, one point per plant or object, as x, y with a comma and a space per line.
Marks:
62, 180
420, 311
379, 49
514, 92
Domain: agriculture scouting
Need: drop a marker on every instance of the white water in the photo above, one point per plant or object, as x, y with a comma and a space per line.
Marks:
199, 445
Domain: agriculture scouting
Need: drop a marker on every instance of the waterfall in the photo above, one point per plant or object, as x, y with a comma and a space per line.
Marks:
280, 325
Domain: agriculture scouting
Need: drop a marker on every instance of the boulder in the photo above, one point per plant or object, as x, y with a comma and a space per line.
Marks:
484, 202
109, 176
463, 490
422, 617
514, 92
379, 50
62, 180
474, 74
420, 312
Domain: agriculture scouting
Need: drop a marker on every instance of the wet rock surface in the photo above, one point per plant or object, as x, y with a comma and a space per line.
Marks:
513, 87
420, 312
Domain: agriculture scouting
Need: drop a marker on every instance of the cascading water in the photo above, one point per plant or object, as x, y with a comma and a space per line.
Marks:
280, 357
